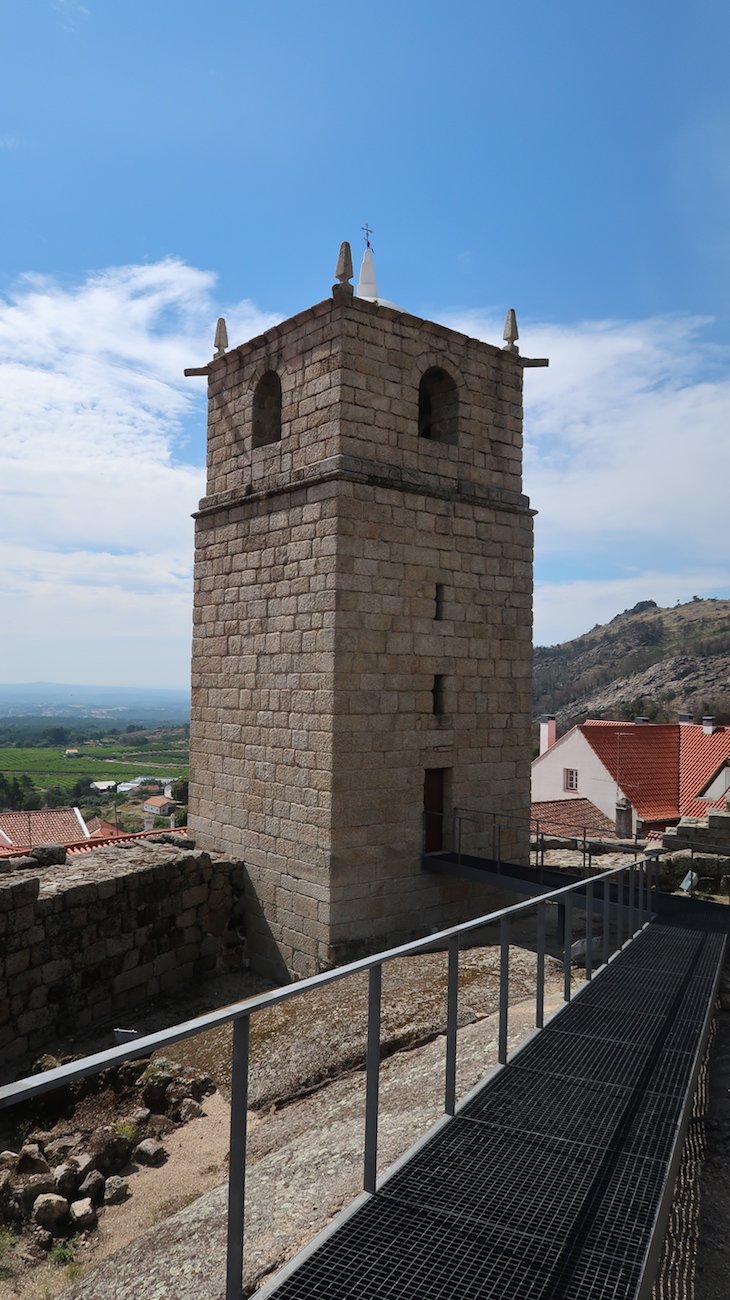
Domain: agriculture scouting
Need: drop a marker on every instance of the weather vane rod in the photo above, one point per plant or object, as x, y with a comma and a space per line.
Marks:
367, 231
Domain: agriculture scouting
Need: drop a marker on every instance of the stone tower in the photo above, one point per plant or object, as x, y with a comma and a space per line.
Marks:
362, 626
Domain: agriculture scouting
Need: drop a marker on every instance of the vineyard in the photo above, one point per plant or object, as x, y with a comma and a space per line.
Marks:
35, 775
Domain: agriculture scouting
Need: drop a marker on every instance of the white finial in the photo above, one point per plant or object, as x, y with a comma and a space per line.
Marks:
367, 285
511, 333
220, 342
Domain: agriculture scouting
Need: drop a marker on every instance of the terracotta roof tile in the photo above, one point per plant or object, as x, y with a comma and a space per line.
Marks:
42, 826
701, 757
571, 817
643, 760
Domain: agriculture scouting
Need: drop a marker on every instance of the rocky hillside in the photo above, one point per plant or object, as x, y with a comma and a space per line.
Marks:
647, 661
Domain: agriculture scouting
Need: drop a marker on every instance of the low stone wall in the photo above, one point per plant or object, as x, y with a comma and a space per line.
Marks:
84, 942
710, 834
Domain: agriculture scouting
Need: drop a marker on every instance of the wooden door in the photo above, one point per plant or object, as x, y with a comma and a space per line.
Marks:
433, 809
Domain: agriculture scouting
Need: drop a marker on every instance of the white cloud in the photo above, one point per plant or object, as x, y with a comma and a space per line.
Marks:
97, 475
102, 446
627, 462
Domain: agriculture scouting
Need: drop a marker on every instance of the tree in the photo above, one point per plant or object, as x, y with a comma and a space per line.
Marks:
57, 735
179, 790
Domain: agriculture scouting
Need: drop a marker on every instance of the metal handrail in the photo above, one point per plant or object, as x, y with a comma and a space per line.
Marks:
631, 910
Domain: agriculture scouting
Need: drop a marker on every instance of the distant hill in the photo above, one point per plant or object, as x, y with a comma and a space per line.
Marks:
647, 662
121, 704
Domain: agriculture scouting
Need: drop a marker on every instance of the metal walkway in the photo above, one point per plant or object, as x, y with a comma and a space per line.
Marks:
554, 1179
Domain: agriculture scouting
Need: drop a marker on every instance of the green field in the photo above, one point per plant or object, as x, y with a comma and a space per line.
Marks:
48, 767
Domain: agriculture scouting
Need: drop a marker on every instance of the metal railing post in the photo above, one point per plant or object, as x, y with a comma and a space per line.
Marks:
606, 920
237, 1160
650, 872
568, 943
620, 910
540, 973
372, 1078
452, 1007
503, 988
589, 930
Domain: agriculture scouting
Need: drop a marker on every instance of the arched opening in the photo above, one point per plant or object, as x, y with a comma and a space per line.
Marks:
267, 410
438, 406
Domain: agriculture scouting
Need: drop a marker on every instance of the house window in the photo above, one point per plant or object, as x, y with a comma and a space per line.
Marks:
438, 406
438, 612
267, 410
570, 778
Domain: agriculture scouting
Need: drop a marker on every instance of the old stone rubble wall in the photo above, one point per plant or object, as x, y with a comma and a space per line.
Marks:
83, 943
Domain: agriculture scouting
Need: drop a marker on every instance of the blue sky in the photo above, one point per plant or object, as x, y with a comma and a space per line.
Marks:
166, 161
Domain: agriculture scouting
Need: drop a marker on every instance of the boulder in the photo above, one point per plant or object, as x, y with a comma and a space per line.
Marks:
150, 1152
116, 1190
8, 1160
155, 1081
29, 1189
109, 1150
93, 1186
189, 1109
31, 1160
67, 1178
83, 1214
48, 855
160, 1125
42, 1239
50, 1210
10, 1207
22, 863
59, 1148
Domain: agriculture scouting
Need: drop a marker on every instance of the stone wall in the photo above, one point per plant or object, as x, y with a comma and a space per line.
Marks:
710, 834
83, 943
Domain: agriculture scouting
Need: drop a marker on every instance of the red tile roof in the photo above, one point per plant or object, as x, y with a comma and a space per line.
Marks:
701, 757
571, 817
100, 826
41, 826
643, 759
99, 842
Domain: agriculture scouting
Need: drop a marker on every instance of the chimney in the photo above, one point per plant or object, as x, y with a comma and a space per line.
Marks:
639, 721
623, 818
548, 731
684, 719
708, 726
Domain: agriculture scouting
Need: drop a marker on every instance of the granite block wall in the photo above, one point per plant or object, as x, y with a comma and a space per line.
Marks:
83, 944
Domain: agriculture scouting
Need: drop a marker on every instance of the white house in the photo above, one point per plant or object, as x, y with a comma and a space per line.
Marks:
635, 772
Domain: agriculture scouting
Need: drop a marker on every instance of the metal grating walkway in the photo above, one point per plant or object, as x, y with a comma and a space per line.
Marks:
548, 1183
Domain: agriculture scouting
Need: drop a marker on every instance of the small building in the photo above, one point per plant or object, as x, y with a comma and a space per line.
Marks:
641, 775
159, 806
70, 753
